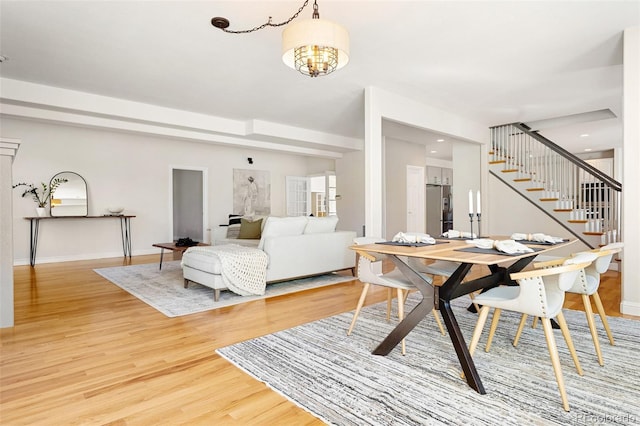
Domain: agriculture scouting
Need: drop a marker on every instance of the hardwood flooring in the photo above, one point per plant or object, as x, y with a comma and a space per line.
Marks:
84, 351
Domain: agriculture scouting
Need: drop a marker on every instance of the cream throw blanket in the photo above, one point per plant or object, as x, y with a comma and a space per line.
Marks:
244, 269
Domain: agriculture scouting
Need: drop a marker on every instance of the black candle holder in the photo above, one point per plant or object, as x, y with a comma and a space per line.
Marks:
479, 232
471, 223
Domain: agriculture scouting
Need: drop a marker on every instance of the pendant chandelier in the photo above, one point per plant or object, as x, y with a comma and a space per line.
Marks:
314, 47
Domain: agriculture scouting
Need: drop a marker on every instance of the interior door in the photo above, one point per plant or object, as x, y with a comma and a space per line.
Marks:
415, 199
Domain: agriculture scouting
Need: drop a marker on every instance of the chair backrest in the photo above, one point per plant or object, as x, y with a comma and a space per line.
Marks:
602, 263
567, 279
368, 270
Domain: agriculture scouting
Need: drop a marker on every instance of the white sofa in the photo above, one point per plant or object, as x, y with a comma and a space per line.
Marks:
296, 246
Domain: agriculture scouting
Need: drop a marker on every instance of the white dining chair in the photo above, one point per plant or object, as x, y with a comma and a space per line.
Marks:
540, 293
369, 270
586, 284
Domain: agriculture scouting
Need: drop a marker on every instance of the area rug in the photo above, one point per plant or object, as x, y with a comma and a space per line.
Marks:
337, 379
164, 289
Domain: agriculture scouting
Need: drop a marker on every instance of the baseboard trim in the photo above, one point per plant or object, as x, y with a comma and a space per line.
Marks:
57, 259
630, 308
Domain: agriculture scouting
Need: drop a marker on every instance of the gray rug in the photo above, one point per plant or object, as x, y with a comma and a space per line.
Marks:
164, 290
336, 378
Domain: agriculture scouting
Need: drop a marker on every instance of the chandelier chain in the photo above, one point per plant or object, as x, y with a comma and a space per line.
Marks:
269, 23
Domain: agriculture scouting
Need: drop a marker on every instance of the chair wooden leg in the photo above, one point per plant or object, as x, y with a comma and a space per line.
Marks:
494, 326
523, 320
436, 316
592, 327
567, 337
603, 316
401, 315
555, 361
534, 324
477, 331
389, 300
363, 296
216, 294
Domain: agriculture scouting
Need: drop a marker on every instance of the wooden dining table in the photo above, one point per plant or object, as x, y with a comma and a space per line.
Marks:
500, 266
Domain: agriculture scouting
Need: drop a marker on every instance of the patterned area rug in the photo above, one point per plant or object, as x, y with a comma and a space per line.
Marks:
336, 378
164, 289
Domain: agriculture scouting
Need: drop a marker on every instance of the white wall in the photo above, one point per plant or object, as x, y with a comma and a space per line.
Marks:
132, 171
467, 159
398, 155
515, 214
380, 104
631, 174
350, 181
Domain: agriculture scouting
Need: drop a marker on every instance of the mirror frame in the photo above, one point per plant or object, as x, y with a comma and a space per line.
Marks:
51, 198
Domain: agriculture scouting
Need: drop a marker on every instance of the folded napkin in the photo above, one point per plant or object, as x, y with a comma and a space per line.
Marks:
505, 246
458, 234
413, 237
539, 237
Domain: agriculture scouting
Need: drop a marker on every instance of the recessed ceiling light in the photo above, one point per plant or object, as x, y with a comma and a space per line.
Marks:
433, 152
588, 149
440, 140
584, 135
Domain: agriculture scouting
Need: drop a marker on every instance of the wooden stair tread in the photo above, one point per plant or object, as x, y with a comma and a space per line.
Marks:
497, 161
549, 199
562, 210
509, 170
577, 221
535, 189
522, 180
593, 233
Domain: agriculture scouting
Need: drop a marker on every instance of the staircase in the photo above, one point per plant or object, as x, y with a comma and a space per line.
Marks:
581, 198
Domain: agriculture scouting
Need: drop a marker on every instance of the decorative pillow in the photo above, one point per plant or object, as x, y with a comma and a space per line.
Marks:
250, 230
320, 225
283, 226
233, 230
234, 219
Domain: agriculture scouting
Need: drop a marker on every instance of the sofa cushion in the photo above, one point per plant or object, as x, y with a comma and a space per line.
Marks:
250, 230
318, 225
283, 226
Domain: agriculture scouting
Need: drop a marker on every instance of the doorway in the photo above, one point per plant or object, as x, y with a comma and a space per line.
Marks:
189, 198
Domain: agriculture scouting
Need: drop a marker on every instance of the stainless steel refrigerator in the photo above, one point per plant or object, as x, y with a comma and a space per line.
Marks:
439, 210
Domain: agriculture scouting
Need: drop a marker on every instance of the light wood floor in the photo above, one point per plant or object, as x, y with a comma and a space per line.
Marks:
83, 351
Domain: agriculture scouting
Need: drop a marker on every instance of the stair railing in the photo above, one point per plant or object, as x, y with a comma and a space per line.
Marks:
589, 195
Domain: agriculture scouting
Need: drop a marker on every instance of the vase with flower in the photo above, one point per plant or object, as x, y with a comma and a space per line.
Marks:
40, 194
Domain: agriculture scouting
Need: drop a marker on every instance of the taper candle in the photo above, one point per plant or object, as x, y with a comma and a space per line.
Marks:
470, 202
478, 206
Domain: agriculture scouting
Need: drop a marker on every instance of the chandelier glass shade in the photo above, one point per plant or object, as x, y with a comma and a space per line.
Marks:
315, 47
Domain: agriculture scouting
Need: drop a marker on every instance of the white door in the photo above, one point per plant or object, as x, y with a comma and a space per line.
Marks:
415, 199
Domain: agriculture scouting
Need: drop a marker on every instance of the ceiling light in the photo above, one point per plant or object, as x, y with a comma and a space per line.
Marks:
588, 149
433, 151
313, 46
440, 140
584, 135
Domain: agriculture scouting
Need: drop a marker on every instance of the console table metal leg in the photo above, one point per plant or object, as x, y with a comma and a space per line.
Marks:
125, 230
33, 246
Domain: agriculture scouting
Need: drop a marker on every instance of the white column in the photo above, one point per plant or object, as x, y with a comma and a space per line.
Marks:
631, 173
8, 150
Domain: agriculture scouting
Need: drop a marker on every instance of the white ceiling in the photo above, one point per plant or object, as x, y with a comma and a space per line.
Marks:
493, 62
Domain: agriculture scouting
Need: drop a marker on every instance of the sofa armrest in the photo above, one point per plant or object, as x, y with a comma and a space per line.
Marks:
220, 233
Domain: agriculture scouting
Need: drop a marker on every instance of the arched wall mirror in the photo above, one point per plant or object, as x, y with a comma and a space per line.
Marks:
70, 197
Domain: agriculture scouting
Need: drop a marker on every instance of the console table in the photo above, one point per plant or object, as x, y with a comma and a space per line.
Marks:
125, 231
